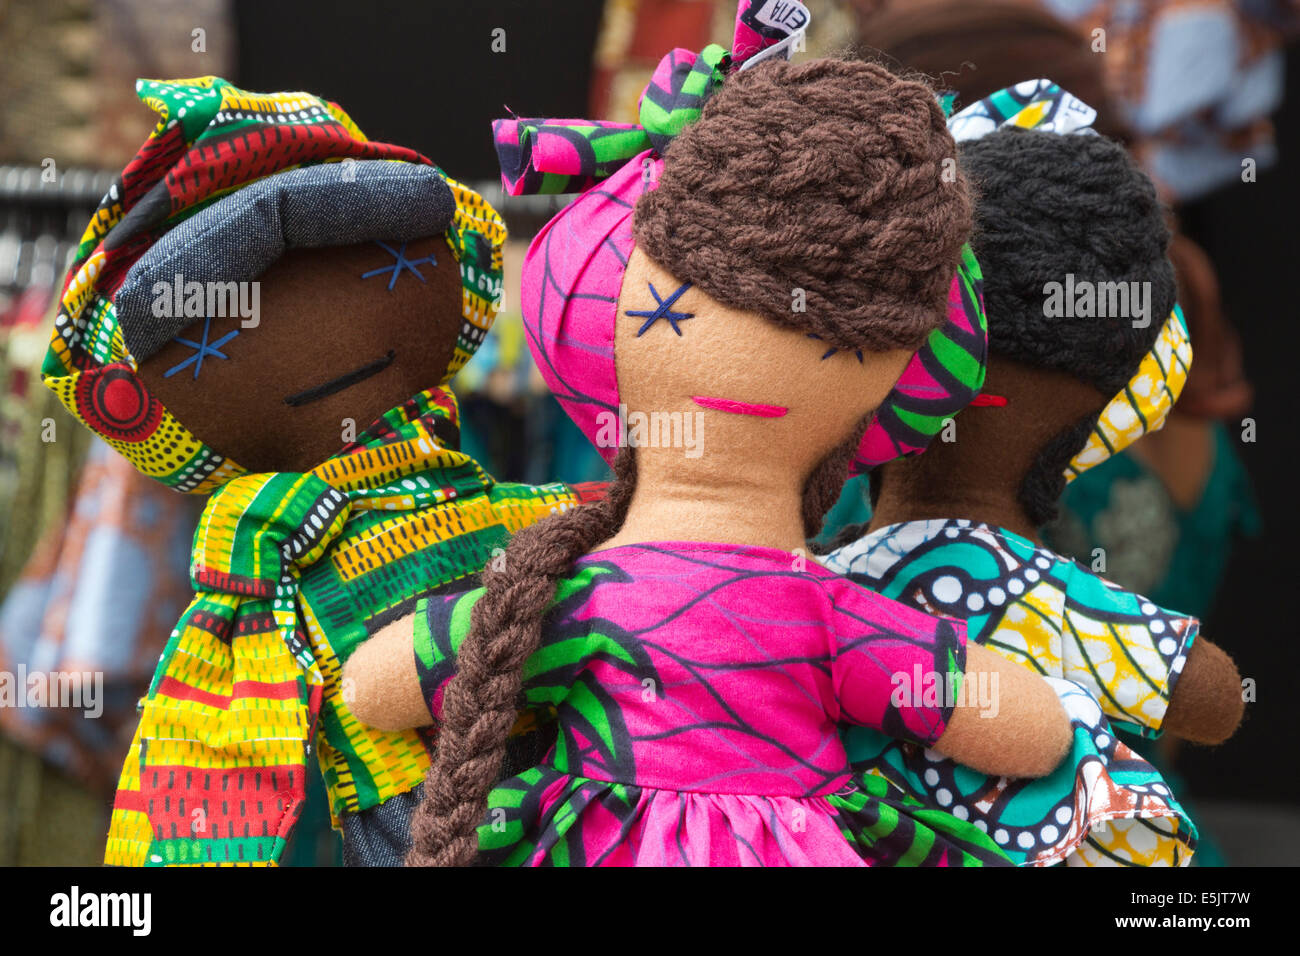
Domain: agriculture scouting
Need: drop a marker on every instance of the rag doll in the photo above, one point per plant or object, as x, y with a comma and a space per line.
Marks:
267, 308
1167, 510
1087, 351
699, 664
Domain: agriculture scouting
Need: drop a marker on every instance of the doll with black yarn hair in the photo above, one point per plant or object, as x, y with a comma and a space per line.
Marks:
698, 661
1087, 352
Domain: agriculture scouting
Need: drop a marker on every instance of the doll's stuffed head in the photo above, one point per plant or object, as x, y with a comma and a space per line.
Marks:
976, 49
1086, 343
1072, 213
806, 220
263, 284
825, 177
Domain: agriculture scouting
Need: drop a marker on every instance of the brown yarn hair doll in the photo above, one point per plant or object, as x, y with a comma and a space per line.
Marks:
698, 663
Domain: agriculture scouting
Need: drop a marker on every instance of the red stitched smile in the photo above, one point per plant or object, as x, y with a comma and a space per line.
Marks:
739, 408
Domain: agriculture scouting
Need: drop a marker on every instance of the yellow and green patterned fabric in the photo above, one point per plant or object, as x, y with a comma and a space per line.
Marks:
293, 572
1144, 403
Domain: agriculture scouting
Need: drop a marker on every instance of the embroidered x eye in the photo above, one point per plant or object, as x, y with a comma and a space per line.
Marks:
857, 352
400, 262
662, 311
201, 349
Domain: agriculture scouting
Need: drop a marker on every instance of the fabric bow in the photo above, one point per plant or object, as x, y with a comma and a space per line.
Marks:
1033, 104
540, 156
582, 253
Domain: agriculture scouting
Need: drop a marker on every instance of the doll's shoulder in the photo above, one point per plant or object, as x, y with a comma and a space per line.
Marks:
892, 558
1091, 597
519, 505
858, 610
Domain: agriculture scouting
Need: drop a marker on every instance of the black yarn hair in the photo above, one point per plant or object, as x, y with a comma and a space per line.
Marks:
1050, 206
1043, 485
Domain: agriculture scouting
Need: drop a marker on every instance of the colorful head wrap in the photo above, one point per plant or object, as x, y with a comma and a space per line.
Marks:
1144, 403
214, 140
574, 268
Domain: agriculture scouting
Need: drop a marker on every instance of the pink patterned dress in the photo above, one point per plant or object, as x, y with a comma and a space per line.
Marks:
698, 691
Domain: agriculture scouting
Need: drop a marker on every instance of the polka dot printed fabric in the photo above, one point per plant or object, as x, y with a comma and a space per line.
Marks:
1034, 607
1104, 805
1113, 655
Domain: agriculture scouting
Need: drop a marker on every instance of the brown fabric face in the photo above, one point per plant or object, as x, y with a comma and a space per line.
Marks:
980, 474
339, 347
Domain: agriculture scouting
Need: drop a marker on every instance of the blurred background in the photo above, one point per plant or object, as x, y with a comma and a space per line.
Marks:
1200, 517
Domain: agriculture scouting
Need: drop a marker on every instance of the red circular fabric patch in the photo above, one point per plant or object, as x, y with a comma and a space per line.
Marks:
121, 401
115, 404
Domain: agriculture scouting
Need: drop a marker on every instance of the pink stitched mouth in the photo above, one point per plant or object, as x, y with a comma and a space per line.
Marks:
739, 408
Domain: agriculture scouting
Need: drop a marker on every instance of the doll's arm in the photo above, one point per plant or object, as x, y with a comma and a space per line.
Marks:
1206, 704
1017, 729
914, 676
381, 684
396, 680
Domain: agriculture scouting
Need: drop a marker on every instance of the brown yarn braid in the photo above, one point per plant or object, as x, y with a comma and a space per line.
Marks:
826, 482
826, 176
481, 702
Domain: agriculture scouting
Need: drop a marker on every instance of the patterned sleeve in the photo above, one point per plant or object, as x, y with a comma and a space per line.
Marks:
442, 623
1125, 649
895, 669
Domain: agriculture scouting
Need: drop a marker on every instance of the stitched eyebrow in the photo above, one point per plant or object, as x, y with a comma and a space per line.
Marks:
201, 349
663, 310
400, 262
830, 352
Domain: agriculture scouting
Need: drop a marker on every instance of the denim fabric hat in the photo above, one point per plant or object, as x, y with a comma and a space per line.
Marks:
226, 183
240, 237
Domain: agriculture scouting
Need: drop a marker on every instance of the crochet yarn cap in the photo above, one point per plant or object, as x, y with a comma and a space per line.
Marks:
212, 142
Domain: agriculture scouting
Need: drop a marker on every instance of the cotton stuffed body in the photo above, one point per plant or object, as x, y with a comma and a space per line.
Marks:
699, 663
267, 308
1087, 352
